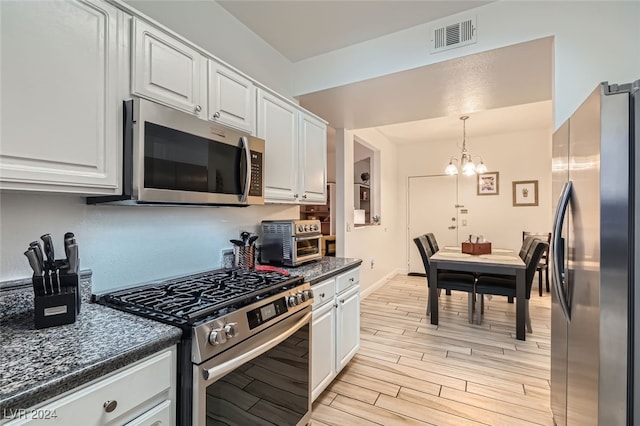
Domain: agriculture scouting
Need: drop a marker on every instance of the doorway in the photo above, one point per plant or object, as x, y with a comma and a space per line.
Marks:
432, 207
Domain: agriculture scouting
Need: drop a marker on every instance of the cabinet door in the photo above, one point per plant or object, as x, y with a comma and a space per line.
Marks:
323, 360
312, 160
61, 102
232, 98
278, 126
348, 326
166, 70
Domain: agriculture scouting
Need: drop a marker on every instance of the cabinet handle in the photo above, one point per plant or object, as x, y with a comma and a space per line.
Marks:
198, 108
109, 406
342, 301
295, 195
304, 196
216, 115
321, 294
351, 279
335, 305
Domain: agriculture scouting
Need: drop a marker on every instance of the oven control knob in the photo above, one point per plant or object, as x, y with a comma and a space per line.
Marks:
292, 301
301, 297
309, 294
315, 227
217, 336
230, 330
300, 228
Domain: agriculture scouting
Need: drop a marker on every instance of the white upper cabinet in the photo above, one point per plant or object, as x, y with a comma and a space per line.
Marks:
278, 126
231, 98
62, 59
167, 70
313, 159
296, 152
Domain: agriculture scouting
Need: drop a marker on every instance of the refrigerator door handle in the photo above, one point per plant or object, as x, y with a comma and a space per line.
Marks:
556, 242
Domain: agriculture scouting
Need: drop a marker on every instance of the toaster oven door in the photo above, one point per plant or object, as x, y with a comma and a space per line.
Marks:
307, 248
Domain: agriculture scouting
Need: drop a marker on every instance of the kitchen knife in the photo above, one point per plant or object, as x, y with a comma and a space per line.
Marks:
237, 243
33, 261
73, 258
38, 249
74, 265
48, 251
252, 240
67, 242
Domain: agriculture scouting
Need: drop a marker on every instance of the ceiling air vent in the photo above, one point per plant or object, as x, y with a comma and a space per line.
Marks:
452, 35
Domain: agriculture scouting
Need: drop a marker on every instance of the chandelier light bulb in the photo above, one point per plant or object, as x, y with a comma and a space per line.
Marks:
451, 169
469, 168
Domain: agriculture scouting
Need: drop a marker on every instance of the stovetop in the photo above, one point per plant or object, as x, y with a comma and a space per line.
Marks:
194, 299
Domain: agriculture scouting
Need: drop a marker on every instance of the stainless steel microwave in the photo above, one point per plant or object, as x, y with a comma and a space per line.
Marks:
171, 157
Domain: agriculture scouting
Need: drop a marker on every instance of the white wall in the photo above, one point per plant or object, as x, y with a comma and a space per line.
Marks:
124, 245
210, 26
381, 243
523, 155
594, 41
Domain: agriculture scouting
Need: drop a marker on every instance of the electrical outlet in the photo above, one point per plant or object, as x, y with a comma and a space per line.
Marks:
227, 258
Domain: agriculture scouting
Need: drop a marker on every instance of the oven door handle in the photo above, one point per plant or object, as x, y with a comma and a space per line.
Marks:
221, 370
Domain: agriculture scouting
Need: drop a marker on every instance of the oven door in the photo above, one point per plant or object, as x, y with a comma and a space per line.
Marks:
306, 249
264, 380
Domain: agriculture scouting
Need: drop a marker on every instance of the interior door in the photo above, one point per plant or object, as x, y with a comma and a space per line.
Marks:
432, 208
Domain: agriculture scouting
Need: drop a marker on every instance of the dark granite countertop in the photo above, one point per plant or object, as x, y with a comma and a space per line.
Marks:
36, 365
324, 268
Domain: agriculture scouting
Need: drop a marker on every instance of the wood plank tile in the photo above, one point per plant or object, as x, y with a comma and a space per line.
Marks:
411, 372
374, 413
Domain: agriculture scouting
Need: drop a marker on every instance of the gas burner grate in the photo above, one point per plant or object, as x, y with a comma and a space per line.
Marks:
195, 297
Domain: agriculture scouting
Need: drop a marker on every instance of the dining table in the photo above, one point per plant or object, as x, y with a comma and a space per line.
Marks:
499, 261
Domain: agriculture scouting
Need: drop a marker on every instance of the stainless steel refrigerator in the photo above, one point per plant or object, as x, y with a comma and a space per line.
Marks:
594, 251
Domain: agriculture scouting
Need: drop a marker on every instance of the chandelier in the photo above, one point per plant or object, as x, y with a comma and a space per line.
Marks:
469, 168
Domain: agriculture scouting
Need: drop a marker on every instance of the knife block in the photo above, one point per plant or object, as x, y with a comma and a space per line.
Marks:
57, 298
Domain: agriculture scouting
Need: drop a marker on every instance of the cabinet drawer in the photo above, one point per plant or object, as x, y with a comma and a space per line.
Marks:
157, 416
129, 389
348, 279
323, 292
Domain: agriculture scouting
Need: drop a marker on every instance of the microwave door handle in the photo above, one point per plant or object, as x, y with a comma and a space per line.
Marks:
247, 157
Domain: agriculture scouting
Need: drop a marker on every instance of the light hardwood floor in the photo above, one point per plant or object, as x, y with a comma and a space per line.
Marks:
409, 372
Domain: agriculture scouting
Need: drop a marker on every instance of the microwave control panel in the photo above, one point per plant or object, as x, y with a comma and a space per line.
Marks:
255, 188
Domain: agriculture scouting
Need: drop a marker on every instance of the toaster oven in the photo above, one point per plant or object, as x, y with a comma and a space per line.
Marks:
290, 242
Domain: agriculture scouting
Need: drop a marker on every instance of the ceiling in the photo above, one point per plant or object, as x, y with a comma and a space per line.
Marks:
415, 105
300, 29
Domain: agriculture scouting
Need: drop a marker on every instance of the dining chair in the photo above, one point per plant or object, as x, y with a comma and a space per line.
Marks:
543, 265
506, 285
446, 280
432, 242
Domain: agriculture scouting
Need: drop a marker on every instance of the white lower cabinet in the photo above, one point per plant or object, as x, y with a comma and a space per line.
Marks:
348, 323
323, 361
335, 328
141, 394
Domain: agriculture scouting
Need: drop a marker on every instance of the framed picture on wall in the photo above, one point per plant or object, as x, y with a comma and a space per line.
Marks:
488, 183
525, 193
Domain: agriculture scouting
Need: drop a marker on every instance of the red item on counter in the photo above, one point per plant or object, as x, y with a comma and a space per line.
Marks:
267, 268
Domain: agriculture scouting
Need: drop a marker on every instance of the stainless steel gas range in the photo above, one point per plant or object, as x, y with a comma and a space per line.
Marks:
244, 355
